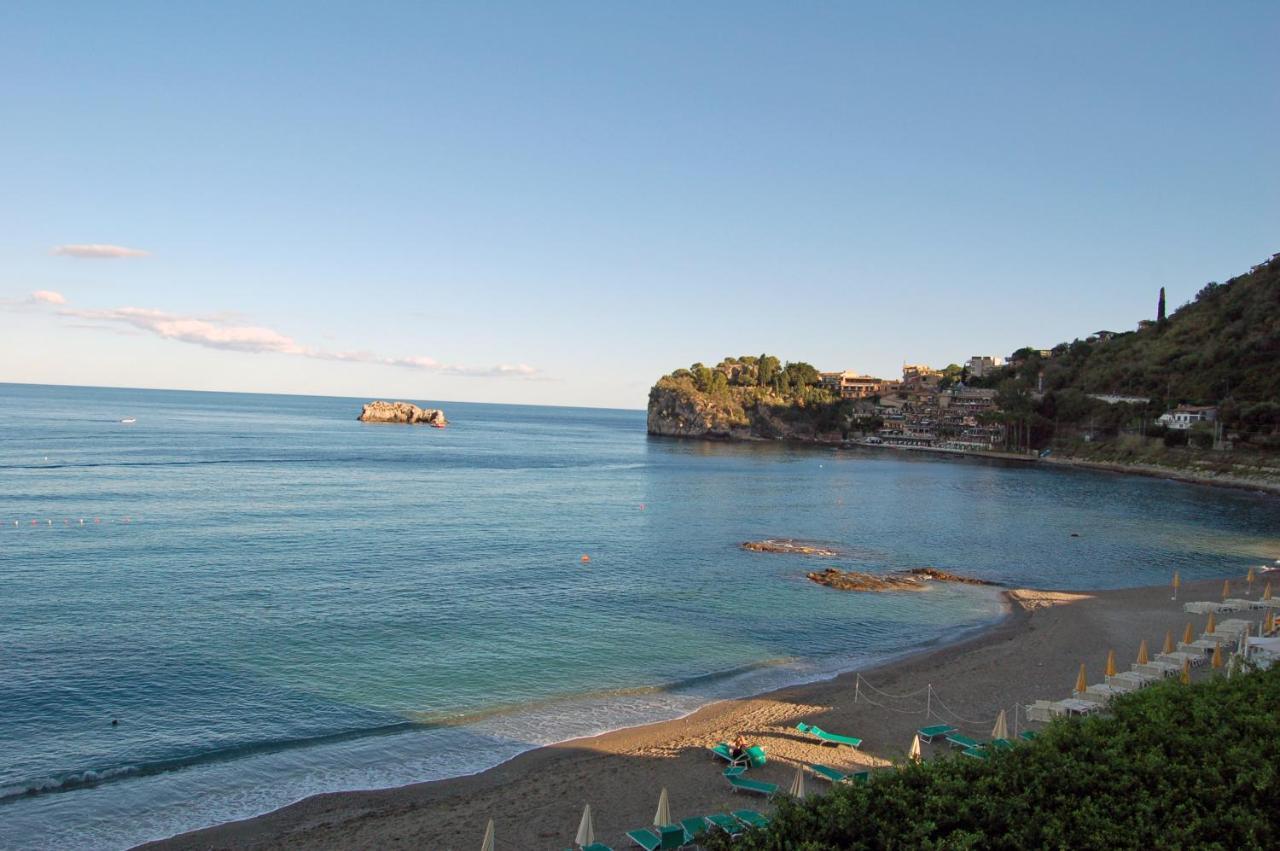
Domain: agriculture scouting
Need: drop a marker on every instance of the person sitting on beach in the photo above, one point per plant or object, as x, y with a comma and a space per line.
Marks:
739, 747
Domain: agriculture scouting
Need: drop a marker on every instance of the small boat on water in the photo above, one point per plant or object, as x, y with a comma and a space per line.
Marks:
129, 420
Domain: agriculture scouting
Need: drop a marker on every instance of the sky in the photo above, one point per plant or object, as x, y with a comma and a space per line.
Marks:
555, 203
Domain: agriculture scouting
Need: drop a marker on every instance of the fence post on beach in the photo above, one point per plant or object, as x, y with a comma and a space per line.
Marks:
857, 686
928, 702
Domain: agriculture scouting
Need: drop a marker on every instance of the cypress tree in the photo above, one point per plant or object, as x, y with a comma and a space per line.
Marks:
1160, 309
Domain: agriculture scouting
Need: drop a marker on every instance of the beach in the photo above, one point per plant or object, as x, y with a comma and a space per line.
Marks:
536, 799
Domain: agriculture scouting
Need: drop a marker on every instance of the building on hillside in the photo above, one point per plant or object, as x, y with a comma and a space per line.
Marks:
1115, 399
980, 365
969, 400
1184, 417
1101, 336
852, 385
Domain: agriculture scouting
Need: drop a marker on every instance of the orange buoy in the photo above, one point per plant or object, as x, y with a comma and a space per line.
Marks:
585, 559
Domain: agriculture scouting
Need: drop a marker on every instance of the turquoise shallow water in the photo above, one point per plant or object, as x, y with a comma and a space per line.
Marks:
274, 599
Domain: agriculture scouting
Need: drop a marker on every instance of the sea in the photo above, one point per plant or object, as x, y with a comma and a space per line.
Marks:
238, 600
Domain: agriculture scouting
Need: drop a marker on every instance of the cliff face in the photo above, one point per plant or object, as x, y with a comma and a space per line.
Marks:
677, 409
401, 412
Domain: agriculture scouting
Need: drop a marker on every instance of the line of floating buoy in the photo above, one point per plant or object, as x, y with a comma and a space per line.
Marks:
71, 521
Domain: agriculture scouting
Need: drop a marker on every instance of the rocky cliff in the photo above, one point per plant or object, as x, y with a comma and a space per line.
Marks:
678, 409
401, 412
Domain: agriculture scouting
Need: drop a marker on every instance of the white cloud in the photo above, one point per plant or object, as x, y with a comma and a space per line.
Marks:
229, 331
97, 251
49, 297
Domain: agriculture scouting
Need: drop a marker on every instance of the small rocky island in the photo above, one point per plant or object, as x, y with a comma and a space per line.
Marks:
401, 412
916, 579
789, 546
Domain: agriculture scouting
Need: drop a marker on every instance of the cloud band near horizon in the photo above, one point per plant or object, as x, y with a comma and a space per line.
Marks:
97, 251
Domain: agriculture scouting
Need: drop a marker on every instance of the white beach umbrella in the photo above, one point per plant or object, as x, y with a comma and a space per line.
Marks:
797, 785
586, 828
663, 815
914, 754
487, 845
1001, 730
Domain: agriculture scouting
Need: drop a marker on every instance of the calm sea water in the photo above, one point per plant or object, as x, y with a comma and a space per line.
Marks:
274, 600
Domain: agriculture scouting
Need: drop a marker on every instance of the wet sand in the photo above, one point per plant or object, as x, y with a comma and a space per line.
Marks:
536, 799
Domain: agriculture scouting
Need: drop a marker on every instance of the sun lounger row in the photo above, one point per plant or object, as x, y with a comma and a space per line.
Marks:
1047, 710
1204, 607
692, 829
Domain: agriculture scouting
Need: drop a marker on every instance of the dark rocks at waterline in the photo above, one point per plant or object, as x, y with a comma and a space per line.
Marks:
789, 546
916, 579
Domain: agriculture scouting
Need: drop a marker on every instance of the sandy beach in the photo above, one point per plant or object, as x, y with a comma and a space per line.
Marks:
536, 799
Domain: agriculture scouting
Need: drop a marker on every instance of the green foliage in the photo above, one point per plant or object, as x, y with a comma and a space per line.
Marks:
1173, 766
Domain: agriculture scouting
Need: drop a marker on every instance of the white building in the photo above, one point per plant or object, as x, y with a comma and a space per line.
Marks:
980, 365
1184, 417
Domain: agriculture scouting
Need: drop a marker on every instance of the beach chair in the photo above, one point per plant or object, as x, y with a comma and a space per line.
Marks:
1002, 744
978, 752
1244, 604
723, 751
835, 775
756, 756
746, 784
751, 818
1028, 735
727, 823
667, 837
695, 827
927, 734
596, 846
960, 740
834, 738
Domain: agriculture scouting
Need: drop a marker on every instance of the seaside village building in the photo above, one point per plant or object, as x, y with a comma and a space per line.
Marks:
918, 413
1184, 417
981, 365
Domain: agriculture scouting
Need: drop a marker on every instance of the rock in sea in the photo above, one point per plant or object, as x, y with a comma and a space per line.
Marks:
401, 412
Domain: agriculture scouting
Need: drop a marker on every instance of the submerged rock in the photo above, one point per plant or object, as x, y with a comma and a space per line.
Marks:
788, 545
942, 576
401, 412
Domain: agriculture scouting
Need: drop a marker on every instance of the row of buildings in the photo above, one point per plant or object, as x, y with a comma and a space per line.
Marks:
917, 411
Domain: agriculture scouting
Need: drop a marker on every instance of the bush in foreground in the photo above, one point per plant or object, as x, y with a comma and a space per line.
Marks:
1173, 766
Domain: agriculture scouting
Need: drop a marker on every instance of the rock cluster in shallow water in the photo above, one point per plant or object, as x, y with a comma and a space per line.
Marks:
401, 412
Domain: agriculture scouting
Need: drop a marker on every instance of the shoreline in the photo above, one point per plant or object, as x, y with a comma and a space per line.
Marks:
1030, 652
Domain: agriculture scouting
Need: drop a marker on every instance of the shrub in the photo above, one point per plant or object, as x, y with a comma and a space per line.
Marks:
1173, 766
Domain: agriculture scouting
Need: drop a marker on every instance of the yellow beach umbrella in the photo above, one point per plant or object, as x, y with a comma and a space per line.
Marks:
1250, 580
1168, 641
1187, 634
1142, 653
1111, 664
663, 815
1177, 583
914, 753
1081, 682
586, 828
1001, 730
487, 844
1270, 623
1211, 626
1226, 588
1266, 590
797, 785
1186, 672
1217, 655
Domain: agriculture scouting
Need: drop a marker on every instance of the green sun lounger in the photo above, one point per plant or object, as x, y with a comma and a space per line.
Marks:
723, 751
977, 752
826, 772
1028, 735
756, 756
962, 741
727, 823
751, 818
835, 738
928, 733
596, 846
667, 837
746, 784
695, 827
1002, 744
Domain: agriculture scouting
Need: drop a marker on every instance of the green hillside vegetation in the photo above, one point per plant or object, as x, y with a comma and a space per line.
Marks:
1172, 766
1222, 349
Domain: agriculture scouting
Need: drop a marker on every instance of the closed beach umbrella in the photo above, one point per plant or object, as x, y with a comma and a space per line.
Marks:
914, 753
1211, 625
1250, 580
1081, 682
1168, 641
1226, 588
1187, 634
1142, 652
663, 815
1186, 672
487, 845
1001, 729
1266, 590
1111, 664
797, 784
1217, 655
1177, 583
586, 828
1270, 623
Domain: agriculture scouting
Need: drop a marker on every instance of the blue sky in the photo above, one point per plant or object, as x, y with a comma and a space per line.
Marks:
557, 202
